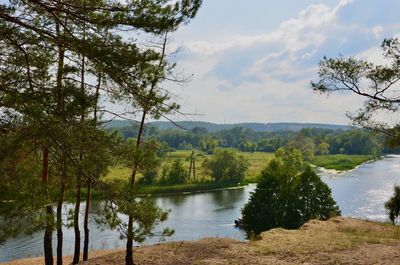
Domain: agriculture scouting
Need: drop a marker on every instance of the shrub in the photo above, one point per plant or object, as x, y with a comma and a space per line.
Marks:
175, 174
393, 205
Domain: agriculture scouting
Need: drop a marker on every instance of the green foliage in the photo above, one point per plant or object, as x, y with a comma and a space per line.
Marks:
322, 149
393, 205
21, 193
208, 144
145, 213
175, 174
311, 141
288, 194
49, 96
315, 200
304, 143
247, 146
226, 166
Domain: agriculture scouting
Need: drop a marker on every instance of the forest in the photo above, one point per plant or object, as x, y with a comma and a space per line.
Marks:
311, 141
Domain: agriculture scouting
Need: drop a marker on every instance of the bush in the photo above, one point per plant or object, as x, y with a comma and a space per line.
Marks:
176, 174
289, 194
226, 166
149, 176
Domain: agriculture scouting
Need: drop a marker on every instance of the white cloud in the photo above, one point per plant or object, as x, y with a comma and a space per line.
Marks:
265, 77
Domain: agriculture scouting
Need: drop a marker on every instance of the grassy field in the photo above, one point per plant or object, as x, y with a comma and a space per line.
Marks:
341, 162
257, 160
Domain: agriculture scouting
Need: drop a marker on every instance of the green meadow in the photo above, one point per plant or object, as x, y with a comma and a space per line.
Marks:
202, 182
257, 161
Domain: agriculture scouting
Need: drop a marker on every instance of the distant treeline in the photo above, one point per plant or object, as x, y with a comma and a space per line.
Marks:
311, 141
214, 127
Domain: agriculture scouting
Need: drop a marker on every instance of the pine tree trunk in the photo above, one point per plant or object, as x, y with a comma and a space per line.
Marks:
48, 233
59, 216
59, 245
77, 249
48, 236
86, 223
129, 243
129, 240
59, 227
88, 198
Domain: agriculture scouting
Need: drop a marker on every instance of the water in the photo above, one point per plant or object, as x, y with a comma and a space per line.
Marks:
359, 193
193, 216
362, 192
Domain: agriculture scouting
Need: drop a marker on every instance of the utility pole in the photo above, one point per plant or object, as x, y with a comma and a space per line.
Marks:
192, 166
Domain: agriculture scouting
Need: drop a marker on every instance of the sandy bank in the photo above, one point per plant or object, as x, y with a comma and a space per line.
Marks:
336, 241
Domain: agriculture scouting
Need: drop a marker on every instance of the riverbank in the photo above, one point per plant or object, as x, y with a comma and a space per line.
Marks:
336, 241
341, 162
187, 188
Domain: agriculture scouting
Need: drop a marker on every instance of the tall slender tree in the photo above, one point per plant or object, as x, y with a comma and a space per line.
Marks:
51, 103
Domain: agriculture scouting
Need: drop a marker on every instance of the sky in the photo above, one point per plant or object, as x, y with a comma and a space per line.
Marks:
253, 60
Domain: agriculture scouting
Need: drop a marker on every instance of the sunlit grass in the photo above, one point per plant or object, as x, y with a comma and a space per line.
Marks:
341, 162
319, 236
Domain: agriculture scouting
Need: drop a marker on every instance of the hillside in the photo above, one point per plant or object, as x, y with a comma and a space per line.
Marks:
213, 127
336, 241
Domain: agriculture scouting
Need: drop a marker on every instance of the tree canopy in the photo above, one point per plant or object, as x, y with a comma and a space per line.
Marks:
57, 58
376, 83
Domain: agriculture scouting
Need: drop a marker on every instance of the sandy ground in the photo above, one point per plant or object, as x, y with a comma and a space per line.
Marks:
337, 241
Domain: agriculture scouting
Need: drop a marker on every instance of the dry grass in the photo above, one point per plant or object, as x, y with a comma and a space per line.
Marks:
337, 241
332, 235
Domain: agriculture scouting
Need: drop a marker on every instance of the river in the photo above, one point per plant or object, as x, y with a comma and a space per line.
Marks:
361, 193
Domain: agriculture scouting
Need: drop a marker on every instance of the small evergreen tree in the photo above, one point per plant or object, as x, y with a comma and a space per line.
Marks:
289, 194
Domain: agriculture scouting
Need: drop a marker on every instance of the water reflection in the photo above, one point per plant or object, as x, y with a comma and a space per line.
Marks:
227, 199
192, 217
167, 200
363, 192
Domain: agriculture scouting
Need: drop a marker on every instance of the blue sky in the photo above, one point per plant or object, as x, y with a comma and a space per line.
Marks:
253, 60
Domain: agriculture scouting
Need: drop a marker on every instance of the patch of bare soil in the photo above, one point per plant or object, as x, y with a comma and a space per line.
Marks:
336, 241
